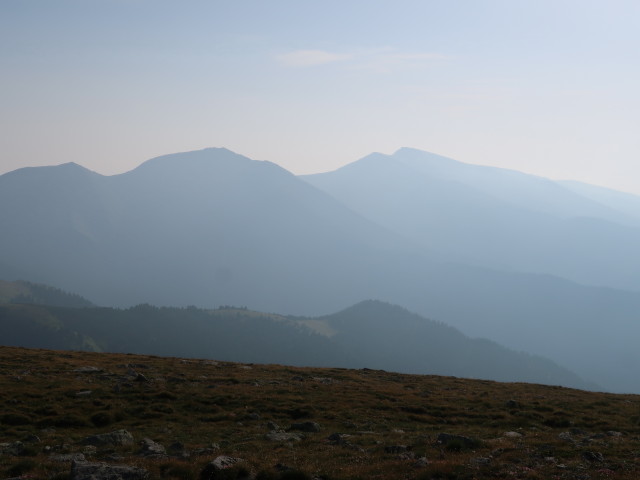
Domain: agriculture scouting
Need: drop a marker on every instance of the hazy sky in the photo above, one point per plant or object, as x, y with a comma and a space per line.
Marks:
549, 87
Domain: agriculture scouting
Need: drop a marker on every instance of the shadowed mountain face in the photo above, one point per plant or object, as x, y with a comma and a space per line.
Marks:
212, 227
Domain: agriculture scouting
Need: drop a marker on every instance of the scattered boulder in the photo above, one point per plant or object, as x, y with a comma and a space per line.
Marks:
305, 427
16, 448
273, 426
151, 449
111, 439
511, 404
217, 469
284, 437
67, 457
566, 436
512, 434
338, 439
104, 471
89, 450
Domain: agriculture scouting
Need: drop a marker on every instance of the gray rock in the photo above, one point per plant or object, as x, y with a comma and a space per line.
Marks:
103, 471
480, 461
213, 469
111, 439
67, 457
149, 448
566, 436
284, 437
512, 434
32, 439
273, 426
338, 439
305, 427
16, 448
90, 450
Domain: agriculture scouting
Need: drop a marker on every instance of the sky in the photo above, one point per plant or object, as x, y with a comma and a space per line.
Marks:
548, 87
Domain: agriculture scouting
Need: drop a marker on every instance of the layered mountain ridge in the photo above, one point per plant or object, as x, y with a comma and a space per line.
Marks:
443, 239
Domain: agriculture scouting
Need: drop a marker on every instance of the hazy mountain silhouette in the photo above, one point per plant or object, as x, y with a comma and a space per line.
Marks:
495, 217
370, 334
212, 227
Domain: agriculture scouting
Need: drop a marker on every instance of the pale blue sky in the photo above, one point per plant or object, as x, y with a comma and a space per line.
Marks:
543, 86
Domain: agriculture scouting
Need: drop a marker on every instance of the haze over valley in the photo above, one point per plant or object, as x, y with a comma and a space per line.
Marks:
538, 266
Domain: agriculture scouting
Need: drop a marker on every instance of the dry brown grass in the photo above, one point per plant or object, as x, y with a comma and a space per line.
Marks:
205, 404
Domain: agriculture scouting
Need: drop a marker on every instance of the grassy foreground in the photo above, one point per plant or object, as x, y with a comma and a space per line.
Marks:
389, 422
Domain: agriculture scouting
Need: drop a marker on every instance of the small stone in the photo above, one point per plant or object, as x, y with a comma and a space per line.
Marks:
67, 457
512, 434
115, 438
151, 449
90, 450
213, 469
480, 461
284, 437
566, 436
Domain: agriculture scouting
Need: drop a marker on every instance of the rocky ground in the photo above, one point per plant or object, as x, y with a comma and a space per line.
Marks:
71, 415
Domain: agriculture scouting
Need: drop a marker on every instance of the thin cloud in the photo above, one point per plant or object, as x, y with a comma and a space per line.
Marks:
383, 59
310, 58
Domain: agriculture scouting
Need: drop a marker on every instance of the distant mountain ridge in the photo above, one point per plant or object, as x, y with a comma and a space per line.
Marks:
212, 227
370, 334
495, 217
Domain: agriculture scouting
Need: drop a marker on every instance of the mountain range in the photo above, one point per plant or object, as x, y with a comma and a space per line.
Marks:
543, 267
371, 334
